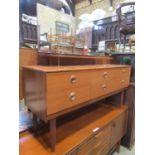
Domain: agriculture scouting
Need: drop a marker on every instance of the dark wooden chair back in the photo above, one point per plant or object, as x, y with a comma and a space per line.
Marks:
28, 33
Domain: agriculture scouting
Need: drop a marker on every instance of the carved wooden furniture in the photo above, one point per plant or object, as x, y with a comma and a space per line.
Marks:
28, 33
126, 20
93, 130
109, 27
54, 91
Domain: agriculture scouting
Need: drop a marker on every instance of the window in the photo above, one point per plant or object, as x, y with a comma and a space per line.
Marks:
62, 28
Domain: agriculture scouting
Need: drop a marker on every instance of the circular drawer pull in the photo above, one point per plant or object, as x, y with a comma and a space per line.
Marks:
122, 81
72, 96
104, 87
105, 74
73, 79
123, 71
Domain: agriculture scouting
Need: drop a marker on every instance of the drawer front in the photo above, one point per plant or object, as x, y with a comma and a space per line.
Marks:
118, 128
95, 145
65, 80
111, 74
109, 80
60, 100
85, 148
103, 141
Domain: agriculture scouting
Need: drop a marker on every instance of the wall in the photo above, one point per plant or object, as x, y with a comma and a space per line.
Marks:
47, 18
86, 7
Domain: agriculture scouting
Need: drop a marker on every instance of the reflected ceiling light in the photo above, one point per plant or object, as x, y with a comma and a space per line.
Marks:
85, 17
110, 8
98, 14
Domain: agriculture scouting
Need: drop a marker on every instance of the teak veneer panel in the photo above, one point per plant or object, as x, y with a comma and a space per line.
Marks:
51, 69
75, 131
27, 56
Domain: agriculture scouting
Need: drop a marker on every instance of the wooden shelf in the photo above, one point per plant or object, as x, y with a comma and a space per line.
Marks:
72, 129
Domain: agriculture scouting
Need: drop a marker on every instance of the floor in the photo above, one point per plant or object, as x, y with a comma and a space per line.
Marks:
124, 151
25, 118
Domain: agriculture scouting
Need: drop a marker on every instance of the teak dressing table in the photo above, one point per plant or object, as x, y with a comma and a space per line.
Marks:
51, 92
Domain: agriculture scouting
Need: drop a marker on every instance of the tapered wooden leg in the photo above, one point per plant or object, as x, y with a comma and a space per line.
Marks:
34, 123
122, 98
53, 134
118, 147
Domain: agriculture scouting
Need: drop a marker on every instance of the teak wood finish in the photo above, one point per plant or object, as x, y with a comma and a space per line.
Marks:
53, 91
27, 56
92, 130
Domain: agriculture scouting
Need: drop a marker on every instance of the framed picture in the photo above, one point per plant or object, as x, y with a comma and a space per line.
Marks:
62, 27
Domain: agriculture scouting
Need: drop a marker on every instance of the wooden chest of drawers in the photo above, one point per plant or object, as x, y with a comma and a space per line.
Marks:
50, 91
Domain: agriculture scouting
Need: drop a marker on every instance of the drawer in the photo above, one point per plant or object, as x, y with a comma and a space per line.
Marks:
100, 141
104, 134
60, 100
111, 74
87, 147
64, 80
101, 88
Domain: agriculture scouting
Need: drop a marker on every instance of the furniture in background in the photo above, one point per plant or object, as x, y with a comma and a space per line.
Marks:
126, 20
116, 28
28, 34
95, 130
67, 44
51, 92
27, 56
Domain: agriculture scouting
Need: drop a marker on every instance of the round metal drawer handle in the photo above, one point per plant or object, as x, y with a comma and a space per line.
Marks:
123, 71
105, 74
122, 81
72, 96
73, 79
104, 87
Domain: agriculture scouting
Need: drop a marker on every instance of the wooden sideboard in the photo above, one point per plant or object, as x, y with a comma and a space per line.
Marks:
53, 91
92, 130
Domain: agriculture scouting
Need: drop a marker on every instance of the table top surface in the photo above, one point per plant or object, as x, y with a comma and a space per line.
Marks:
72, 68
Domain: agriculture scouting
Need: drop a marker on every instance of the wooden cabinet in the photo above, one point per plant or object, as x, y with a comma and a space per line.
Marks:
103, 141
86, 131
